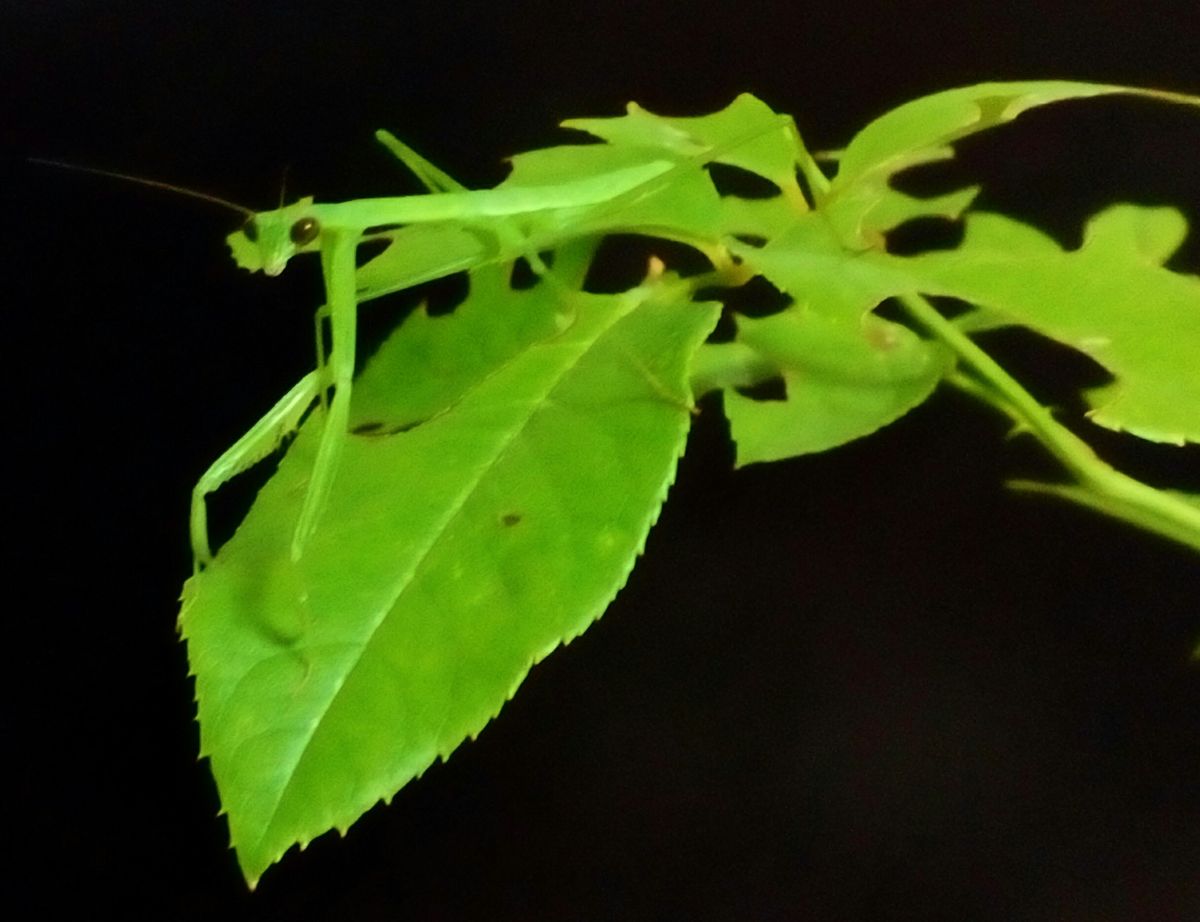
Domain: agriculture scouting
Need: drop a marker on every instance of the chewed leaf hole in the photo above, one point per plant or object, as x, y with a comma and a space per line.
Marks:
1053, 372
757, 298
733, 180
369, 249
523, 276
622, 261
773, 389
439, 296
442, 296
381, 229
805, 185
950, 308
920, 235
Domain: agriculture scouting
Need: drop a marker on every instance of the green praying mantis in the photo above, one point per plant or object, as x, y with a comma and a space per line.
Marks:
522, 220
268, 240
514, 216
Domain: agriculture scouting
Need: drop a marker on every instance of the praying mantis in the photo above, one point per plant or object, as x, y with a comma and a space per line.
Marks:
514, 216
522, 220
268, 240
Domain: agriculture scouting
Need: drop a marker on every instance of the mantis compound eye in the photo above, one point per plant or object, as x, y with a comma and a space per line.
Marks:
250, 229
305, 231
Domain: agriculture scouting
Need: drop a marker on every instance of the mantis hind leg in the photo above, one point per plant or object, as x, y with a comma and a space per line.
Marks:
263, 438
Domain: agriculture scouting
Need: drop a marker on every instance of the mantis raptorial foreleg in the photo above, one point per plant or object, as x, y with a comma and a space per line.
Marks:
337, 265
263, 438
335, 367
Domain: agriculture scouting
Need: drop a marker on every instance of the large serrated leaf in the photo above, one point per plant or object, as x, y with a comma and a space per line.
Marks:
451, 557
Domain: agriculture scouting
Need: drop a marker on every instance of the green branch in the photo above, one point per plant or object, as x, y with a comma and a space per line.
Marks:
1097, 485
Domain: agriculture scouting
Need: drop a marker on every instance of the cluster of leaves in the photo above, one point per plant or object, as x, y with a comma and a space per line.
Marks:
505, 462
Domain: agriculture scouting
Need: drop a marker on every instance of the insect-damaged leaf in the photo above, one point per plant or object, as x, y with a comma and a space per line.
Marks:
860, 203
843, 381
746, 134
1110, 299
451, 557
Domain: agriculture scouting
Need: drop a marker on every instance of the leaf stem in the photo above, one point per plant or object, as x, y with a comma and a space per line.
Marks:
1098, 486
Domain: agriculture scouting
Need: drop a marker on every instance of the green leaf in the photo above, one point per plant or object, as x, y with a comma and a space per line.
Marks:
451, 557
1110, 299
846, 371
844, 381
810, 263
682, 204
860, 203
423, 252
747, 134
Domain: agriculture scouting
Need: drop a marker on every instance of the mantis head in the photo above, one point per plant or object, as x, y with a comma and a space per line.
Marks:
269, 239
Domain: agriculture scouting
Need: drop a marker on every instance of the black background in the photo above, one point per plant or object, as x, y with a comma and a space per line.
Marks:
863, 685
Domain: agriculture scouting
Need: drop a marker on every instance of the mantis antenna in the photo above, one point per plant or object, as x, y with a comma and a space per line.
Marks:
152, 183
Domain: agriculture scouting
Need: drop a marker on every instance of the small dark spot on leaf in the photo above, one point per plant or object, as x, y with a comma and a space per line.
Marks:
751, 240
377, 429
509, 519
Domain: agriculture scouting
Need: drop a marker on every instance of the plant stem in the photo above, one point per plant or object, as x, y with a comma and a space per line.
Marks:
1097, 486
